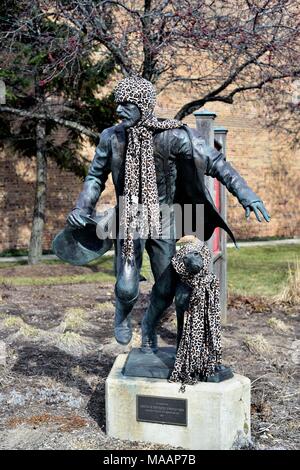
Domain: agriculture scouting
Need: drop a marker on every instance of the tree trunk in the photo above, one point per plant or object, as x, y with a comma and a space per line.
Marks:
36, 239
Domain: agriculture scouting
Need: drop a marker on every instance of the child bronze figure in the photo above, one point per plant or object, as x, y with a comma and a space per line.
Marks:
197, 301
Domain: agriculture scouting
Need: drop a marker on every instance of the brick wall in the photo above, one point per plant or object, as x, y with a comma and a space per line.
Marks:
265, 160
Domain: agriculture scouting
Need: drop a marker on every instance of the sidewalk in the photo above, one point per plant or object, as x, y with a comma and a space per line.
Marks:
290, 241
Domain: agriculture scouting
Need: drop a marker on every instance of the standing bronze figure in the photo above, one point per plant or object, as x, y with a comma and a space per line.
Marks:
153, 163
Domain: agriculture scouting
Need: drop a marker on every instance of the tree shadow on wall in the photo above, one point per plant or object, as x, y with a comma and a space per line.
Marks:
18, 200
18, 188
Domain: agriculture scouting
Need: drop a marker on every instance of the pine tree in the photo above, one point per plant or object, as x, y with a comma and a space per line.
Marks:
67, 95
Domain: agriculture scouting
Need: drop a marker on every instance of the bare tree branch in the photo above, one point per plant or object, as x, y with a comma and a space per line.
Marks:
214, 50
46, 117
188, 108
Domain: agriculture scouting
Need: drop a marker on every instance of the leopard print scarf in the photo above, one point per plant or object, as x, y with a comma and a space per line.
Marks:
140, 176
199, 350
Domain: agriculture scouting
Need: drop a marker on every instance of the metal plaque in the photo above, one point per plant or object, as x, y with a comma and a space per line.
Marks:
161, 410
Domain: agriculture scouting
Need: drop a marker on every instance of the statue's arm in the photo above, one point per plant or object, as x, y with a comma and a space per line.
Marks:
218, 167
94, 182
209, 161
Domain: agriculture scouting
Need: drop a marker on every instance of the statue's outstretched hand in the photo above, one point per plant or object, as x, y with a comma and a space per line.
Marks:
258, 208
75, 220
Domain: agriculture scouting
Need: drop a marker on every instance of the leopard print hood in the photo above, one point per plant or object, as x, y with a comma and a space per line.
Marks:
178, 260
138, 91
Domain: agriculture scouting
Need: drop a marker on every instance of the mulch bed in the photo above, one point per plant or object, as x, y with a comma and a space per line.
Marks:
52, 385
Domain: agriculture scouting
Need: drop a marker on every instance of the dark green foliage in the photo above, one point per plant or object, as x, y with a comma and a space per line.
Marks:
39, 80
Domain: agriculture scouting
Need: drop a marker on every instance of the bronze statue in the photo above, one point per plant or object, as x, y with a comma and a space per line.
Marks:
153, 162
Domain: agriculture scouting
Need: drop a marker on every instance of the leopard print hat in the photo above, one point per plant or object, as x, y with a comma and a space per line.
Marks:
178, 263
138, 91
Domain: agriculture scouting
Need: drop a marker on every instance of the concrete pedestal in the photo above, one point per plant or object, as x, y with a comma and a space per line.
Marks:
206, 416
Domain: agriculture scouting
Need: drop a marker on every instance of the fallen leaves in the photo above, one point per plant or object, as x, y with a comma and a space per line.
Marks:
65, 423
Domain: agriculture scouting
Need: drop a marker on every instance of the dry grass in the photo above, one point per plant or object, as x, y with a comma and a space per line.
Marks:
74, 318
278, 325
22, 327
72, 343
105, 306
13, 322
258, 345
29, 331
71, 339
291, 291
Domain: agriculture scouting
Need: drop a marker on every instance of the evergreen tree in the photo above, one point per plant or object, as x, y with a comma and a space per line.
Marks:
69, 94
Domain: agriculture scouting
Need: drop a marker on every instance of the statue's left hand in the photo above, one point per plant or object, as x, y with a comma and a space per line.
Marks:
257, 207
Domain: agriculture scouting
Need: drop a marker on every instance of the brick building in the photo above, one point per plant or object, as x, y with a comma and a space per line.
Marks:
264, 159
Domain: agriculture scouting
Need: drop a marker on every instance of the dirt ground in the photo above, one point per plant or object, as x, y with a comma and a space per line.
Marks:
57, 348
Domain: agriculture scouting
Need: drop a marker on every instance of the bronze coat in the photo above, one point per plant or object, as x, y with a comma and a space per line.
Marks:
182, 159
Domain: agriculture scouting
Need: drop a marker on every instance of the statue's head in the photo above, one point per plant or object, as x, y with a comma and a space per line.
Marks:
136, 99
192, 259
129, 113
193, 262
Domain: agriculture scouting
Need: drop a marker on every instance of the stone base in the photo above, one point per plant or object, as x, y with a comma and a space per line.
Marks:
206, 416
